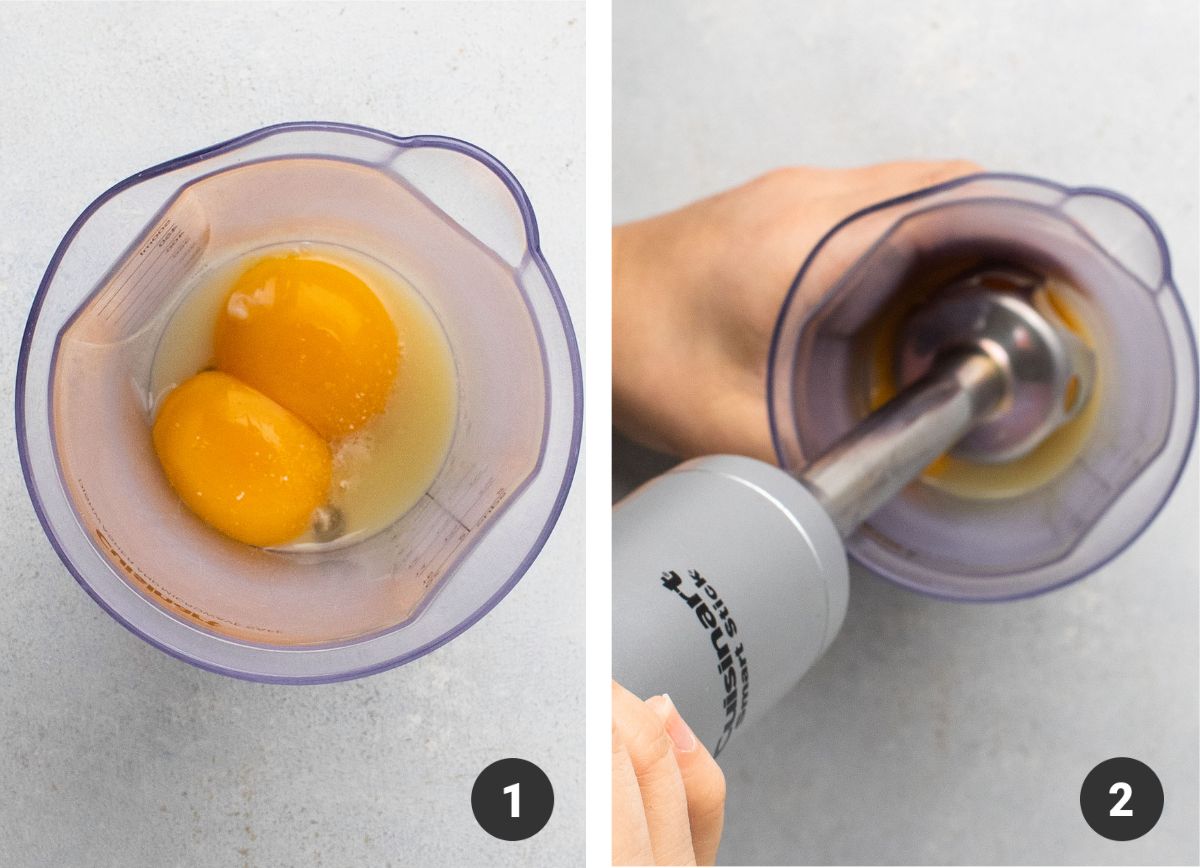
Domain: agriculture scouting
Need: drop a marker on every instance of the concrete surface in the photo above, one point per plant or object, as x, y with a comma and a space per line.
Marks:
115, 754
935, 733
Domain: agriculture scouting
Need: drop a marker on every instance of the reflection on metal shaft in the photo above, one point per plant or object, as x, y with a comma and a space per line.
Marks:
890, 448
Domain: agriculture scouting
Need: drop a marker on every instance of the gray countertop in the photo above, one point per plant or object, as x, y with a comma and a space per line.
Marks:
114, 753
934, 732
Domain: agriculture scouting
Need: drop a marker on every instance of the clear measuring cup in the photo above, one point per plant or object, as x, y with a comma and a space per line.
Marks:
456, 225
1026, 541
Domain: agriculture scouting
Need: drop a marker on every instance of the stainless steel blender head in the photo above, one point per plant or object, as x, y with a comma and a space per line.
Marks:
1049, 370
988, 376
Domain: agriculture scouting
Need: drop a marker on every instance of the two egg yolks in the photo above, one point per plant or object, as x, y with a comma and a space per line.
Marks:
305, 354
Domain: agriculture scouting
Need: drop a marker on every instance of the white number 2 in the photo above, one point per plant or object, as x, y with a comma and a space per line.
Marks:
1118, 810
515, 791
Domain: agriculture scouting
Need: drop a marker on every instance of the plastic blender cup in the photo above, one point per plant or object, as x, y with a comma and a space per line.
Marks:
455, 224
990, 548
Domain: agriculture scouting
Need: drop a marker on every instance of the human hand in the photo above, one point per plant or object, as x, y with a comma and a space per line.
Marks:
696, 293
668, 791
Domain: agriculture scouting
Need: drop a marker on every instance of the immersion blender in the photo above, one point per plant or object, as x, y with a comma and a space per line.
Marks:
1032, 332
730, 574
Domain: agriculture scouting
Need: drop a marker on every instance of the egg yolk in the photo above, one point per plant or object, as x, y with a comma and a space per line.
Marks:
313, 337
245, 465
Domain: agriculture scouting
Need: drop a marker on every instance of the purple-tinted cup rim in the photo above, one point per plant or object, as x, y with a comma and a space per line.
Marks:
533, 249
1167, 281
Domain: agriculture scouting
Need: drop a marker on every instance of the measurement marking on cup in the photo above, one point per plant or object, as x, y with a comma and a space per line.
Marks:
457, 520
140, 261
148, 586
173, 264
449, 551
443, 534
141, 281
145, 266
154, 263
187, 255
116, 557
459, 485
448, 538
496, 501
428, 529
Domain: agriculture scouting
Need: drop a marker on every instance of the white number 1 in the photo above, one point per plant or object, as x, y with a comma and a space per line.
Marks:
515, 791
1119, 809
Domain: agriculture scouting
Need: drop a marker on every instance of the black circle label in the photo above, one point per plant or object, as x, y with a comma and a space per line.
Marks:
512, 799
1121, 799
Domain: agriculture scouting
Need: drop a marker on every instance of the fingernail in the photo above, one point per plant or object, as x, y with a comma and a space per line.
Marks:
678, 731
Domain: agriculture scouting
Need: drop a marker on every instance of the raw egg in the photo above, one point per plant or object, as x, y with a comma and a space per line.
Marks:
244, 464
312, 336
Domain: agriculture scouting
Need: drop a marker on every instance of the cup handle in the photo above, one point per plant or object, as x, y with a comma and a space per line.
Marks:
1123, 230
474, 190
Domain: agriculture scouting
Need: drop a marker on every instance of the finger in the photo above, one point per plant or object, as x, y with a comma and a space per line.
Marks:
703, 781
630, 834
663, 796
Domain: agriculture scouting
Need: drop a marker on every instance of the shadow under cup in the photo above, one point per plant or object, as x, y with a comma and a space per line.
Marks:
994, 548
452, 222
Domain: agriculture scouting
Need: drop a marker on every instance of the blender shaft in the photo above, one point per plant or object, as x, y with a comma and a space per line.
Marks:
871, 464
